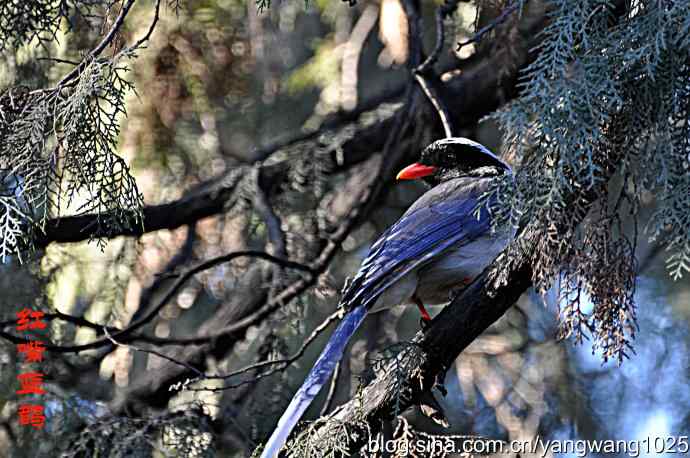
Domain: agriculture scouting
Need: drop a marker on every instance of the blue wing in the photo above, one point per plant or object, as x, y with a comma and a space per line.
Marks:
431, 226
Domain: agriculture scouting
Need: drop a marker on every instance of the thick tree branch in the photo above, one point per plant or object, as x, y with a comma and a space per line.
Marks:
476, 308
474, 91
230, 324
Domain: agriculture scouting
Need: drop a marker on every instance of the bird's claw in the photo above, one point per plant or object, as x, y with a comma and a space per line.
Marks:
424, 323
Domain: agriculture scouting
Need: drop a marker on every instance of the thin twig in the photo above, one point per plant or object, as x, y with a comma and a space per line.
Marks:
75, 320
438, 104
126, 332
152, 352
337, 315
423, 72
59, 61
152, 26
281, 364
442, 12
501, 18
101, 46
331, 389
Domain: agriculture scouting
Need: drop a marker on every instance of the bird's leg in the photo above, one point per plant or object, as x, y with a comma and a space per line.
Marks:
454, 292
439, 382
426, 318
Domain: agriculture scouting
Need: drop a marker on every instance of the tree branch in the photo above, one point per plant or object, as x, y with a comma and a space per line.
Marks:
476, 308
125, 335
477, 90
119, 21
474, 92
479, 305
500, 19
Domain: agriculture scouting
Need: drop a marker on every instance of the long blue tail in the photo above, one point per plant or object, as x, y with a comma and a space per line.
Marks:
318, 376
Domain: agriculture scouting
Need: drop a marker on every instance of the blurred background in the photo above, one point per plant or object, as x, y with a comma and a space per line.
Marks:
222, 87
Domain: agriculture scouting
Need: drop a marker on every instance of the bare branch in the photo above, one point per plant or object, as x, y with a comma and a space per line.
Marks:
152, 26
117, 25
438, 103
500, 19
125, 334
281, 364
152, 352
476, 308
425, 69
442, 12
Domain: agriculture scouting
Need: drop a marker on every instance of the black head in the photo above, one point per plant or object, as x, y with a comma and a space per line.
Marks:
452, 158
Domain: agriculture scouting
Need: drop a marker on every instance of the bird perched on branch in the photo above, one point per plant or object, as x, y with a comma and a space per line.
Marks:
435, 249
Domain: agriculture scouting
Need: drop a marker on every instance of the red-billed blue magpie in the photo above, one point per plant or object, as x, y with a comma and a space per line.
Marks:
439, 245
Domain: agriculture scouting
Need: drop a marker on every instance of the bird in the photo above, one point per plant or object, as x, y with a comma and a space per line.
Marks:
434, 250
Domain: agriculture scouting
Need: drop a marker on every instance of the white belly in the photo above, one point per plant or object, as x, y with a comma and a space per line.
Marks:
435, 282
456, 268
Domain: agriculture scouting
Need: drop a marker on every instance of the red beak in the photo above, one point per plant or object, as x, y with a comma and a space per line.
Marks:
414, 171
